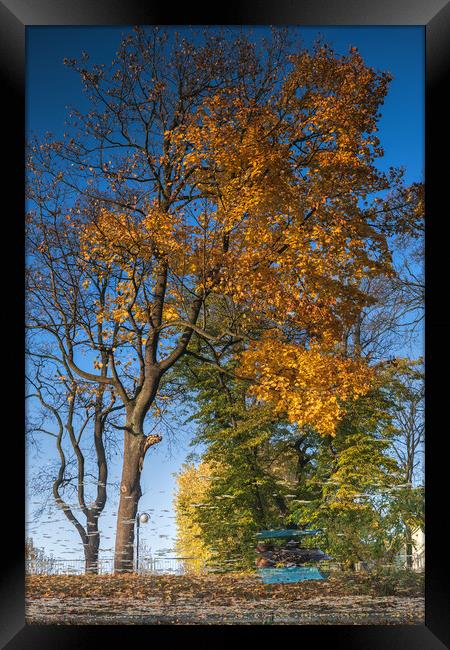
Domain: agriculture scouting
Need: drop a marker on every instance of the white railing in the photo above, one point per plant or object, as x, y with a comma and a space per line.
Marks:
53, 566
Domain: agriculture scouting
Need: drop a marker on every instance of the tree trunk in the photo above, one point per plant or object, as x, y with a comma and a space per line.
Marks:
130, 493
136, 445
92, 546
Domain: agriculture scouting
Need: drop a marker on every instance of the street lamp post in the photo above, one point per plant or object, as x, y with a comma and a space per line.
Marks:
141, 518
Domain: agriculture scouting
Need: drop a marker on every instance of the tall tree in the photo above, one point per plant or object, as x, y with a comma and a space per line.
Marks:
211, 166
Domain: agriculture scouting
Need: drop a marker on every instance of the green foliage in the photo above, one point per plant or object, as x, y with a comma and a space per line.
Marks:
360, 499
268, 473
243, 442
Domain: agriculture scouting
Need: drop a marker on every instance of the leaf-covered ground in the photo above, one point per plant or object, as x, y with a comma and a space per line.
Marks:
216, 599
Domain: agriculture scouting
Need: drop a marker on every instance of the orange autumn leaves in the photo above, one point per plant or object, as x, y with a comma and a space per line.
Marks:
118, 239
278, 226
308, 386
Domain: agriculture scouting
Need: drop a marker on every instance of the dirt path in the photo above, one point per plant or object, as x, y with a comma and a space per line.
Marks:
217, 599
347, 610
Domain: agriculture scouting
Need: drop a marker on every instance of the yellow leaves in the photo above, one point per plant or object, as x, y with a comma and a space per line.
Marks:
119, 239
305, 385
192, 487
119, 315
278, 228
204, 598
170, 312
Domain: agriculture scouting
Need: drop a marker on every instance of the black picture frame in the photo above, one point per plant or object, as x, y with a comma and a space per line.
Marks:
434, 16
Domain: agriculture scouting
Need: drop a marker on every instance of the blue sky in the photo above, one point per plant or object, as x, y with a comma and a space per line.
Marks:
51, 87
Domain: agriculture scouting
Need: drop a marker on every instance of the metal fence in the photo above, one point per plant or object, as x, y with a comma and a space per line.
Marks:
52, 566
174, 566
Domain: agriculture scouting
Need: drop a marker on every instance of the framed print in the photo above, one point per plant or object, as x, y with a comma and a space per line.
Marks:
230, 285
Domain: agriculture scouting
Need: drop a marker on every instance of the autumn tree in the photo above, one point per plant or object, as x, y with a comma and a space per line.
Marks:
192, 488
211, 166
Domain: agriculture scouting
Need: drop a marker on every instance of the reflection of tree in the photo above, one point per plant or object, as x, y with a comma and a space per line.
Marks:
207, 167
